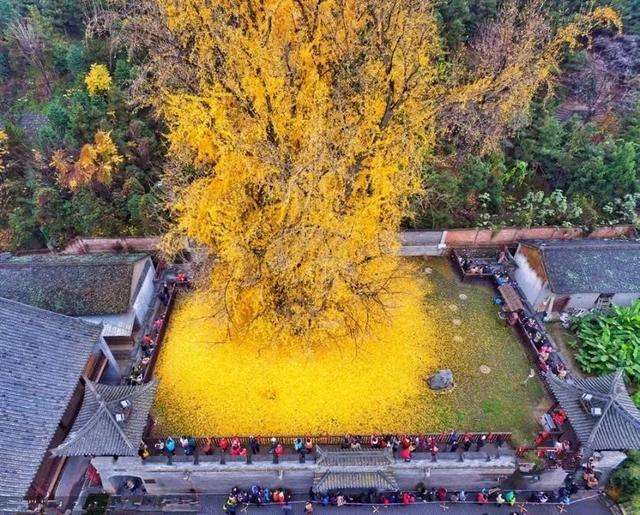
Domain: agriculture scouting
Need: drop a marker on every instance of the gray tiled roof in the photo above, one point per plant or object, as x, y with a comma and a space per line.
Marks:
590, 265
96, 431
354, 457
330, 480
42, 357
75, 285
618, 428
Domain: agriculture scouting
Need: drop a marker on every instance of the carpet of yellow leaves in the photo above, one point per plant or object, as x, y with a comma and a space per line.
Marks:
210, 385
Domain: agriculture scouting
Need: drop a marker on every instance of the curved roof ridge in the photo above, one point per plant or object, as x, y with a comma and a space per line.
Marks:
617, 427
74, 435
578, 386
103, 404
98, 432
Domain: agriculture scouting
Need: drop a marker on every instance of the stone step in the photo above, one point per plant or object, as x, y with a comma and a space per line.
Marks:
421, 250
429, 238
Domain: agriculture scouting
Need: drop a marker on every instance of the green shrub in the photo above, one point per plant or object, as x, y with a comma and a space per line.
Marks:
625, 481
610, 341
5, 67
122, 72
75, 60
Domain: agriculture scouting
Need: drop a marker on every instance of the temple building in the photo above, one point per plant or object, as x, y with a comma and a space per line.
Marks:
44, 355
114, 290
563, 275
602, 415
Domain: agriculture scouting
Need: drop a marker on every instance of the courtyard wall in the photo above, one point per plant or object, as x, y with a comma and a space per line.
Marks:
183, 476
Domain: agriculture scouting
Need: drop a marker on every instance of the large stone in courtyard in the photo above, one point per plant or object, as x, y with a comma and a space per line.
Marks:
441, 380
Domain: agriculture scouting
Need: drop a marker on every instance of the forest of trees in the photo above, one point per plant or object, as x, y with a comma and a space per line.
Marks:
50, 115
83, 152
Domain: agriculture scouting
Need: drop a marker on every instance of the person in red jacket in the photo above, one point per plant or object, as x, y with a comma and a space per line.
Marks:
236, 446
405, 454
308, 445
407, 498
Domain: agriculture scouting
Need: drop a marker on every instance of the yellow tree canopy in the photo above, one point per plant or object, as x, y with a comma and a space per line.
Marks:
302, 124
308, 123
98, 79
96, 163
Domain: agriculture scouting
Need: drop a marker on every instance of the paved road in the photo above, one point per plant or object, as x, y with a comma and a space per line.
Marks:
583, 508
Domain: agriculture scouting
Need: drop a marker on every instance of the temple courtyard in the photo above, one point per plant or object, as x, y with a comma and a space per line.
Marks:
211, 384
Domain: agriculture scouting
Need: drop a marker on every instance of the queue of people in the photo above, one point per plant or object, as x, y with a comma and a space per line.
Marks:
548, 358
421, 493
256, 495
402, 446
149, 340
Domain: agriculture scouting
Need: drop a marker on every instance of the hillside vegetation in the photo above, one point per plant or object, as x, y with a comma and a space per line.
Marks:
81, 154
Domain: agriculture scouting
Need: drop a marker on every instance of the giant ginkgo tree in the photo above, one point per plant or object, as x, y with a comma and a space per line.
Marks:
298, 128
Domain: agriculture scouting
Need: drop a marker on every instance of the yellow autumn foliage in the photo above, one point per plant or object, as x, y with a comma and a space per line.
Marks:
299, 128
258, 384
96, 162
210, 384
307, 125
98, 80
3, 148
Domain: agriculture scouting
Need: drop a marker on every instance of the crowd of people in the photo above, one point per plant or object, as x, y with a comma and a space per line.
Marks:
589, 475
147, 348
259, 496
256, 495
548, 358
149, 340
402, 446
478, 266
441, 495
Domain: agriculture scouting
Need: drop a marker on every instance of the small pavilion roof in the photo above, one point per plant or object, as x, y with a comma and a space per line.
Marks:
354, 457
97, 430
331, 480
618, 425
